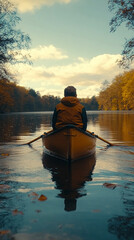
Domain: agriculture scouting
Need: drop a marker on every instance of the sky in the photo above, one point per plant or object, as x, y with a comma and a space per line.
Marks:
71, 44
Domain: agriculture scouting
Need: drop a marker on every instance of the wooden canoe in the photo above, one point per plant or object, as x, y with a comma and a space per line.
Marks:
69, 143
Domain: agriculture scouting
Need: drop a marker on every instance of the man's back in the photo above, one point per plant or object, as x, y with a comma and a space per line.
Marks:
69, 111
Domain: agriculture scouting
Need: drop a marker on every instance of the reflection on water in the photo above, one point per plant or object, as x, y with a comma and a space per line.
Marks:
18, 124
78, 202
123, 225
120, 125
116, 126
70, 179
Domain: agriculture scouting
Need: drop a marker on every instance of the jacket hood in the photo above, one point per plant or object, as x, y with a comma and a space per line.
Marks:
70, 101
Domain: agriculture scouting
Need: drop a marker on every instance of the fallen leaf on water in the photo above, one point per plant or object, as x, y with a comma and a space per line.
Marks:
33, 194
42, 198
96, 210
16, 211
34, 220
38, 211
4, 187
7, 172
4, 232
110, 185
2, 172
60, 226
4, 154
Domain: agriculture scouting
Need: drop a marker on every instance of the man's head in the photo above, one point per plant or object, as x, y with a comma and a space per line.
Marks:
70, 91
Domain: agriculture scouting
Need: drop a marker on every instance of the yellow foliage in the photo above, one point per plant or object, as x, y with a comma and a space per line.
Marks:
5, 95
120, 94
128, 90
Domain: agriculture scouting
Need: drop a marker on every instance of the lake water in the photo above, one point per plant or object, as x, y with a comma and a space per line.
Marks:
94, 200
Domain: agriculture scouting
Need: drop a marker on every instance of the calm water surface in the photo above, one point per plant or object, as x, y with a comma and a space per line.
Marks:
92, 200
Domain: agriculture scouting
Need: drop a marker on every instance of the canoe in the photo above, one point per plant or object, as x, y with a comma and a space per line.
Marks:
69, 143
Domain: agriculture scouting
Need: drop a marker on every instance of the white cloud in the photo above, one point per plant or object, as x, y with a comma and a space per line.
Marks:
31, 5
87, 75
42, 52
47, 52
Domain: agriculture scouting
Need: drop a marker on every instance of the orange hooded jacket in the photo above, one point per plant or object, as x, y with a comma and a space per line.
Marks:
69, 111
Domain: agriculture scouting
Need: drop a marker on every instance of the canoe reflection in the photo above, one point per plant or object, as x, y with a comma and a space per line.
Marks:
70, 179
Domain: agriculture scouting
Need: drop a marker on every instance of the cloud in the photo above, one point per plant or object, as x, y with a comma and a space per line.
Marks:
46, 52
31, 5
41, 53
88, 75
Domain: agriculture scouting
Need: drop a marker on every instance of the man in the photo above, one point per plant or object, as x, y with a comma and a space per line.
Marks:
69, 111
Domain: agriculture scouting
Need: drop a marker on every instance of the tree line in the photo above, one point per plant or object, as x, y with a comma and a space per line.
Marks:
14, 98
120, 94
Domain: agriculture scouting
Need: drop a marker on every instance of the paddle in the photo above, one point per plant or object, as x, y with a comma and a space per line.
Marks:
101, 138
86, 130
33, 140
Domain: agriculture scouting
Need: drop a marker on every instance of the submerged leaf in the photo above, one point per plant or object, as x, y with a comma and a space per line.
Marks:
42, 198
96, 210
33, 194
7, 172
3, 172
16, 211
110, 185
4, 232
4, 154
4, 187
60, 226
38, 211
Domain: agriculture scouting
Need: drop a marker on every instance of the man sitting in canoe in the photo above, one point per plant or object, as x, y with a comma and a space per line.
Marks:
69, 111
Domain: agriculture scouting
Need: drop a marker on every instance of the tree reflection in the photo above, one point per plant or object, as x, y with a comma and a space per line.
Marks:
21, 124
8, 221
123, 226
70, 179
119, 124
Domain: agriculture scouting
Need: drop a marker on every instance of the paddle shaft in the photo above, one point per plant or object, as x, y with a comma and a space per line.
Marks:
34, 140
86, 130
101, 138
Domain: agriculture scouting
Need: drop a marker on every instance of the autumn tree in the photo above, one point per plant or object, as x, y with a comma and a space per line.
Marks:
123, 13
119, 95
128, 90
6, 100
12, 40
36, 99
